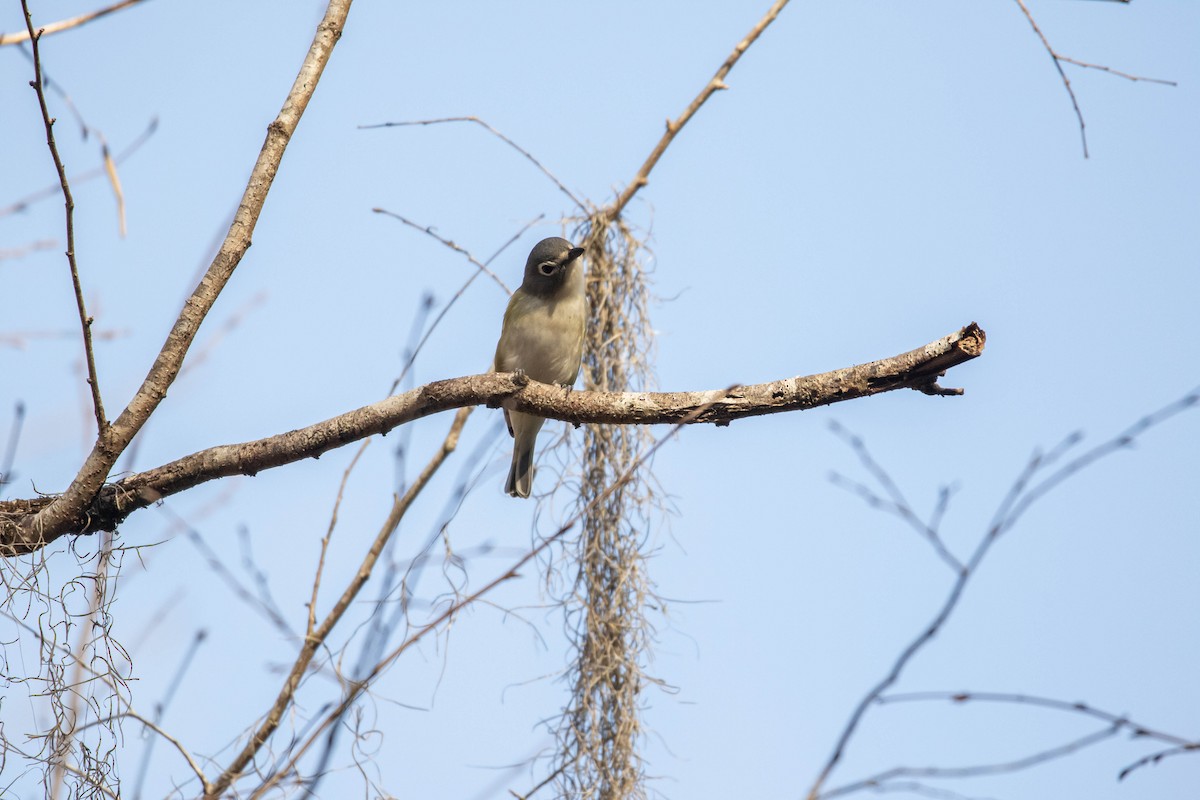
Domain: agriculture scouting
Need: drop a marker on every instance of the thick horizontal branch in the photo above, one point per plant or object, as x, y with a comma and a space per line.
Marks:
916, 369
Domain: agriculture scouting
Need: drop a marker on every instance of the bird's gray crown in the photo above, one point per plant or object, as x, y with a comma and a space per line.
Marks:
552, 249
548, 265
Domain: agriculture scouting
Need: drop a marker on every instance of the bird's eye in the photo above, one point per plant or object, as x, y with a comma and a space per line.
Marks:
547, 267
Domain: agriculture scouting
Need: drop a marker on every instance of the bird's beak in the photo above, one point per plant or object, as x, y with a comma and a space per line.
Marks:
574, 253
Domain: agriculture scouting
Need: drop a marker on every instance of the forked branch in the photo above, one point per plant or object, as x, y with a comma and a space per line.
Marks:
1042, 474
1059, 59
65, 511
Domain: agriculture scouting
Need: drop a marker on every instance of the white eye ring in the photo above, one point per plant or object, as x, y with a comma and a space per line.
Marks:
547, 267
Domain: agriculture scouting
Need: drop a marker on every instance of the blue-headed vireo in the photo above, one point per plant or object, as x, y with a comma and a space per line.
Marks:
542, 336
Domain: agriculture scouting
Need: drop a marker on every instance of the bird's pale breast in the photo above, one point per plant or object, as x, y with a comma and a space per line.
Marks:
543, 338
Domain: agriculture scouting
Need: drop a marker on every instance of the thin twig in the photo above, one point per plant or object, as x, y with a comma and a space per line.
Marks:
715, 84
333, 517
267, 609
428, 231
561, 186
412, 347
1060, 59
1154, 758
65, 24
191, 762
1122, 441
1058, 66
542, 783
197, 357
202, 353
53, 189
161, 707
1033, 760
108, 164
1120, 720
21, 339
114, 181
85, 321
12, 253
416, 351
131, 714
897, 503
250, 567
1127, 76
10, 450
924, 790
51, 85
939, 509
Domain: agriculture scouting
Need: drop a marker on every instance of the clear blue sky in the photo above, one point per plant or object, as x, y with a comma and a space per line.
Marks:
877, 176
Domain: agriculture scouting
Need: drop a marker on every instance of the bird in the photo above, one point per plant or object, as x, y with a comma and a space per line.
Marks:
542, 336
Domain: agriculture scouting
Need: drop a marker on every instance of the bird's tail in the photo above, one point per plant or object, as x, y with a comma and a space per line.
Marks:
520, 475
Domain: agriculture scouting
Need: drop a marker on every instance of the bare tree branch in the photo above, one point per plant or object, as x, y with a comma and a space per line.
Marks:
540, 784
1058, 66
1019, 498
1180, 744
22, 204
191, 762
896, 502
65, 24
160, 709
49, 521
85, 321
1126, 75
10, 450
714, 85
1154, 758
333, 519
1060, 59
883, 779
267, 609
541, 167
1120, 720
923, 790
429, 231
12, 253
916, 369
